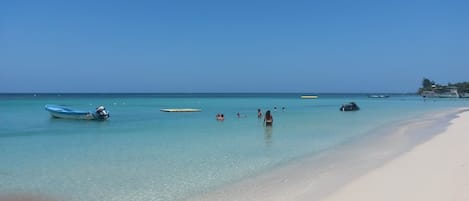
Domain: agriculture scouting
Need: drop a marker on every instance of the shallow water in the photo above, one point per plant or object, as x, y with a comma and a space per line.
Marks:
144, 154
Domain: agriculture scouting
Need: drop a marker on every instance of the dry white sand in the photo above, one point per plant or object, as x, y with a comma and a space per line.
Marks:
435, 170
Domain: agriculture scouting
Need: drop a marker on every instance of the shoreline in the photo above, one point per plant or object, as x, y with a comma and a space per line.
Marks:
320, 176
435, 170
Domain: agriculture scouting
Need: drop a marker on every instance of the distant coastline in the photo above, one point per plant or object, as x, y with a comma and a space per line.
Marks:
431, 89
231, 94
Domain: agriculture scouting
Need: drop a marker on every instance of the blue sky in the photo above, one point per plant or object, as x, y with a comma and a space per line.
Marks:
231, 46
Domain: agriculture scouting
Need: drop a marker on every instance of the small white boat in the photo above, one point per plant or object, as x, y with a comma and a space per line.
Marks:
58, 111
378, 96
308, 97
180, 110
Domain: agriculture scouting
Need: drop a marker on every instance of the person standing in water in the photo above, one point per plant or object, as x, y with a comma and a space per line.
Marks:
259, 113
268, 119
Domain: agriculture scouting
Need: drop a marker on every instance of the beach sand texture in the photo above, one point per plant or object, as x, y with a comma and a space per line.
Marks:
435, 170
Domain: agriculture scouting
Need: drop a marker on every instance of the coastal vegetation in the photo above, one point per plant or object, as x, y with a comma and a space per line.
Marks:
435, 88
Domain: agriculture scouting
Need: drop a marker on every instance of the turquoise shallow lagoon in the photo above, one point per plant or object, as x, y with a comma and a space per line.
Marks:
144, 154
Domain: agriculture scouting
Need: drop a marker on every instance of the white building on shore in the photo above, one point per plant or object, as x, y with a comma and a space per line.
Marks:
442, 92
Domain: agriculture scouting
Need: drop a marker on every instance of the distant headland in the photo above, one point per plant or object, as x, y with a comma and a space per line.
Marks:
431, 89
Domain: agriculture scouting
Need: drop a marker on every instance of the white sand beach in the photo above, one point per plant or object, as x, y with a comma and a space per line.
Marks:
437, 169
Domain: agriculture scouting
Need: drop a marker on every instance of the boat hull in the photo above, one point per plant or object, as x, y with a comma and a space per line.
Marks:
349, 107
378, 96
88, 116
308, 97
180, 110
57, 111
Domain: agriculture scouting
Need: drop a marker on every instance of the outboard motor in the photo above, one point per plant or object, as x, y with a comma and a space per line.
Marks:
102, 113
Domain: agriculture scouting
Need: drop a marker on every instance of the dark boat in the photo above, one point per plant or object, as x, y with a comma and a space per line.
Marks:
352, 106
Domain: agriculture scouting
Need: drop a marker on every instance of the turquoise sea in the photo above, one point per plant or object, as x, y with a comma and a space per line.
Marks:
141, 153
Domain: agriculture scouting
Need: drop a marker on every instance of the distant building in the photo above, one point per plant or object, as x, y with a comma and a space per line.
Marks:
441, 92
464, 94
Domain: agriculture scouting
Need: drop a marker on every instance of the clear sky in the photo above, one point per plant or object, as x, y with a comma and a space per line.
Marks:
231, 46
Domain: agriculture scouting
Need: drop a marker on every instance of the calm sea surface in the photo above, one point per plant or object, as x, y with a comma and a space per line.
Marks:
144, 154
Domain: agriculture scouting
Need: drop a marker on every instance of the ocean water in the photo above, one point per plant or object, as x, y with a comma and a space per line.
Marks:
144, 154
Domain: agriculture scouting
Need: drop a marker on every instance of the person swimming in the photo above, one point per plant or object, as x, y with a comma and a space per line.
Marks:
220, 117
268, 119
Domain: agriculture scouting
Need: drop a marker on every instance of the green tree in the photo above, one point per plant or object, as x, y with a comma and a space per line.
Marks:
427, 84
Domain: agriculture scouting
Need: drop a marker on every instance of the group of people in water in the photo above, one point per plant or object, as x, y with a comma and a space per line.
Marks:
268, 118
220, 117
